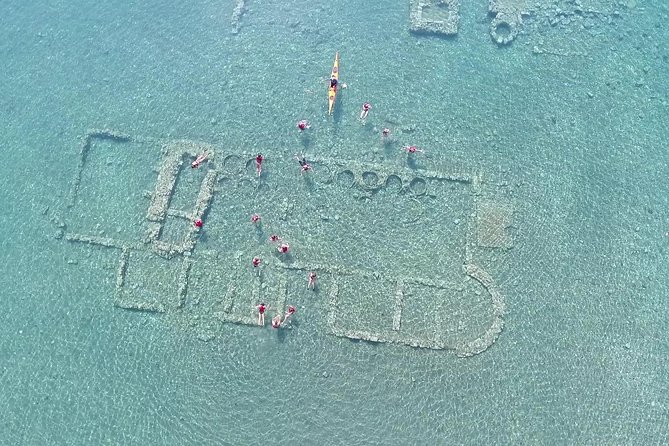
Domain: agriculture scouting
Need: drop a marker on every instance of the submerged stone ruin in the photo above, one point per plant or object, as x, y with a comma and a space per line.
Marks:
434, 16
507, 17
399, 252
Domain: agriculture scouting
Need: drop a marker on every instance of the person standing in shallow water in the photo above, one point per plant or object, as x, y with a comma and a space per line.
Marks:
311, 280
261, 313
259, 159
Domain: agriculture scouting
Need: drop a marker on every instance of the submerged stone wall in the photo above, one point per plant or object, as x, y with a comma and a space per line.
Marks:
204, 276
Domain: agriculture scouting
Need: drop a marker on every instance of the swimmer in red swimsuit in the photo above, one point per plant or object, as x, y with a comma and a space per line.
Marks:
261, 313
276, 321
303, 125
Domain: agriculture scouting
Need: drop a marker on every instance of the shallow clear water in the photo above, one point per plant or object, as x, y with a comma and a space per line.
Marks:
545, 165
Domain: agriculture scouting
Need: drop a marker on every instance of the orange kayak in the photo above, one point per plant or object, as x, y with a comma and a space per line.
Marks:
332, 91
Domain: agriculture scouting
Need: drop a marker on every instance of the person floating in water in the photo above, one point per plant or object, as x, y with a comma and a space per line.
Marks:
303, 125
366, 107
276, 321
283, 248
200, 159
305, 166
412, 149
289, 313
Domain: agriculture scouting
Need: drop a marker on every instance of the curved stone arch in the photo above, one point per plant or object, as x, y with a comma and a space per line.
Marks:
489, 337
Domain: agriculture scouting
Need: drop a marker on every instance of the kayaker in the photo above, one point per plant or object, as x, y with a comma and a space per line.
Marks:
333, 82
366, 107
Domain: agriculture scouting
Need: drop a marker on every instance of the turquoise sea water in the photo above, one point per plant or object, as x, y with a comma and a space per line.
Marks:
564, 132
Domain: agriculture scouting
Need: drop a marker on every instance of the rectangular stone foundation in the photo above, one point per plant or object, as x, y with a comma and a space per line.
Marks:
395, 274
148, 282
434, 16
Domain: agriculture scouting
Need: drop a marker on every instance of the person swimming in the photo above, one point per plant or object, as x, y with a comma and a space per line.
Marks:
304, 165
302, 160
